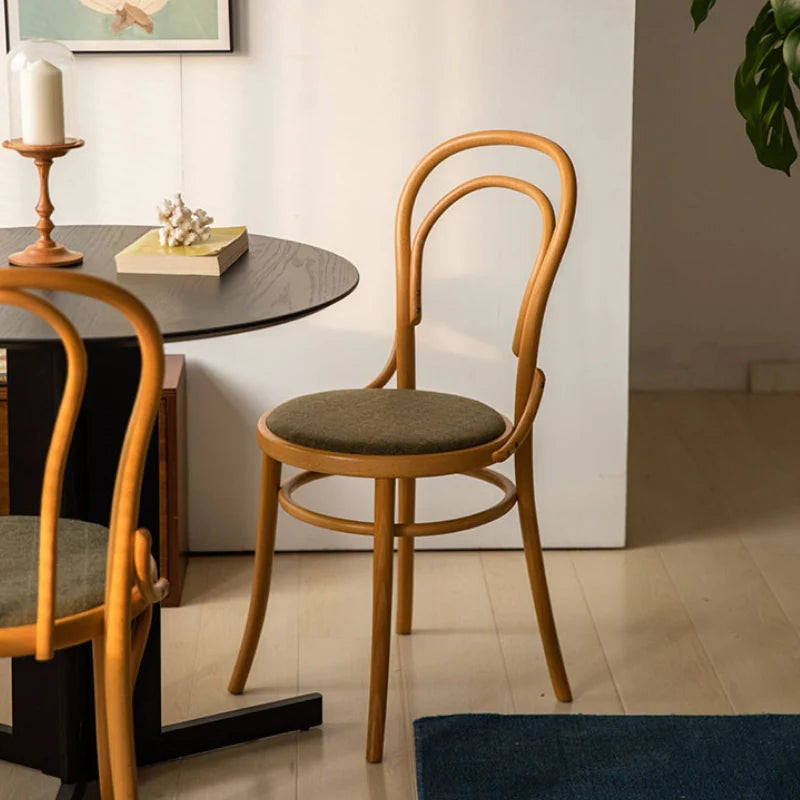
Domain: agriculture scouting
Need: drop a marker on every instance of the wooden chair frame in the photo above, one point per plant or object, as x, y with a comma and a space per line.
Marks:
395, 510
118, 629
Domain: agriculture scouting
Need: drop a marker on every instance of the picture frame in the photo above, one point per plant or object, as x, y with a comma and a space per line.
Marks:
123, 26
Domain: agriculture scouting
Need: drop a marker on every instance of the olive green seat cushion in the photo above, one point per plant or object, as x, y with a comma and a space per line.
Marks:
80, 574
385, 421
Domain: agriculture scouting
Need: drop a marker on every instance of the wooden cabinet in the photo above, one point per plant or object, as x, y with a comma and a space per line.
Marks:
172, 471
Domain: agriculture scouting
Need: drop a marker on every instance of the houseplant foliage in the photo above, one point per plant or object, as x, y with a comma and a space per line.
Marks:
763, 83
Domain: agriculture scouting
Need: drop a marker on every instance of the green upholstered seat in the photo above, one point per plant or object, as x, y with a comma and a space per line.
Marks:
80, 575
385, 421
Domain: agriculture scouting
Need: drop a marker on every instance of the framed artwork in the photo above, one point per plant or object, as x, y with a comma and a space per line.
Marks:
123, 26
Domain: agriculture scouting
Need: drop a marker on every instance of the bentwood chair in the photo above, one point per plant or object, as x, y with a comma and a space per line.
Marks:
65, 582
395, 436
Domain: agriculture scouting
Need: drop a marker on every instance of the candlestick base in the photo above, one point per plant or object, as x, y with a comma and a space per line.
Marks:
45, 252
36, 255
43, 151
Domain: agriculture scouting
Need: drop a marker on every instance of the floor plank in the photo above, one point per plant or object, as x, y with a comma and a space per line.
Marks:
208, 630
657, 660
753, 647
263, 769
453, 660
737, 615
776, 550
590, 677
20, 783
335, 624
769, 531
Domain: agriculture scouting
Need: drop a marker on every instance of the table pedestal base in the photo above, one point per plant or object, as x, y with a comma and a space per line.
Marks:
79, 791
52, 702
185, 738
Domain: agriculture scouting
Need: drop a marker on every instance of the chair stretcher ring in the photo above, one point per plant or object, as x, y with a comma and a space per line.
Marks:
401, 529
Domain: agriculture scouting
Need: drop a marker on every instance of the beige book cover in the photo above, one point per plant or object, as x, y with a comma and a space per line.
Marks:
148, 256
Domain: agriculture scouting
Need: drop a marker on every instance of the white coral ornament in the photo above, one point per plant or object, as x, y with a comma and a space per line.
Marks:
182, 226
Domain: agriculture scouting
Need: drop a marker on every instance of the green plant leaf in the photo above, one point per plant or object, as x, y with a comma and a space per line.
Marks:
787, 14
791, 54
764, 95
699, 11
761, 39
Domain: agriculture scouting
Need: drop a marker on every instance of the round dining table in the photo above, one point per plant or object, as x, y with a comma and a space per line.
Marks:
274, 282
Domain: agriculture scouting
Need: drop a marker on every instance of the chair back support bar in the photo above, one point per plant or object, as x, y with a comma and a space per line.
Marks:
15, 286
408, 260
57, 454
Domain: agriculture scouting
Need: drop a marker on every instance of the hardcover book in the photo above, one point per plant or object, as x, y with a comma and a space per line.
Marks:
148, 256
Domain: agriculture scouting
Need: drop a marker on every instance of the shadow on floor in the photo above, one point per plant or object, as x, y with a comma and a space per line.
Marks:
703, 463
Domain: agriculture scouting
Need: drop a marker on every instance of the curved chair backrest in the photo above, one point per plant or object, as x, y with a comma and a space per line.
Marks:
15, 289
409, 251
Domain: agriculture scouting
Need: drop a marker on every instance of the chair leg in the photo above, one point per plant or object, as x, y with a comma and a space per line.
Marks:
119, 719
262, 572
405, 556
381, 616
523, 467
141, 630
101, 725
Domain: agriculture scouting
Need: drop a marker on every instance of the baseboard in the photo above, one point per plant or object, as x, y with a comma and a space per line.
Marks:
774, 376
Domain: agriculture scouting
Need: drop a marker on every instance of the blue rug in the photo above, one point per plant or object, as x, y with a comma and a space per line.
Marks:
574, 757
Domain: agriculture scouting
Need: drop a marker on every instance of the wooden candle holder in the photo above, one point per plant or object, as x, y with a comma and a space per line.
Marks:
45, 252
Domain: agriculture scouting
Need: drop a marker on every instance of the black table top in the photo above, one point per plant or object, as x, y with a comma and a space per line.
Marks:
276, 281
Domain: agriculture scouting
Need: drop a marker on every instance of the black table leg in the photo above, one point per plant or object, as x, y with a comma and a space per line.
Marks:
79, 791
53, 714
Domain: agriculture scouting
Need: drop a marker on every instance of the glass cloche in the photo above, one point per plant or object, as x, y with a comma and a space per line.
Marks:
41, 93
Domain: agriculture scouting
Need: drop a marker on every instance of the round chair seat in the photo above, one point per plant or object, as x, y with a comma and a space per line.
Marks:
81, 568
385, 421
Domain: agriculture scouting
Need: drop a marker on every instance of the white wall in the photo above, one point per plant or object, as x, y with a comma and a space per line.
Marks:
715, 280
307, 132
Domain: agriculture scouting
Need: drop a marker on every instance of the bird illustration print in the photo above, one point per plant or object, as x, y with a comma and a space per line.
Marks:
128, 13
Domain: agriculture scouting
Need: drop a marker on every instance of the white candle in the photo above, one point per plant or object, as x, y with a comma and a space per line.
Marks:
42, 103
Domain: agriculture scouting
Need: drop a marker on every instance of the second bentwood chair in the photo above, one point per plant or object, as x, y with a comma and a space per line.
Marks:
398, 435
91, 583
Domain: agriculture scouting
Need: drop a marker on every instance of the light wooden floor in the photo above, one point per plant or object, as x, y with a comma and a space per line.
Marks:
701, 614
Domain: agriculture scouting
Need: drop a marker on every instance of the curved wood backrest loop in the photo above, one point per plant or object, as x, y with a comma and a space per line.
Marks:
56, 460
389, 368
127, 486
408, 259
484, 182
